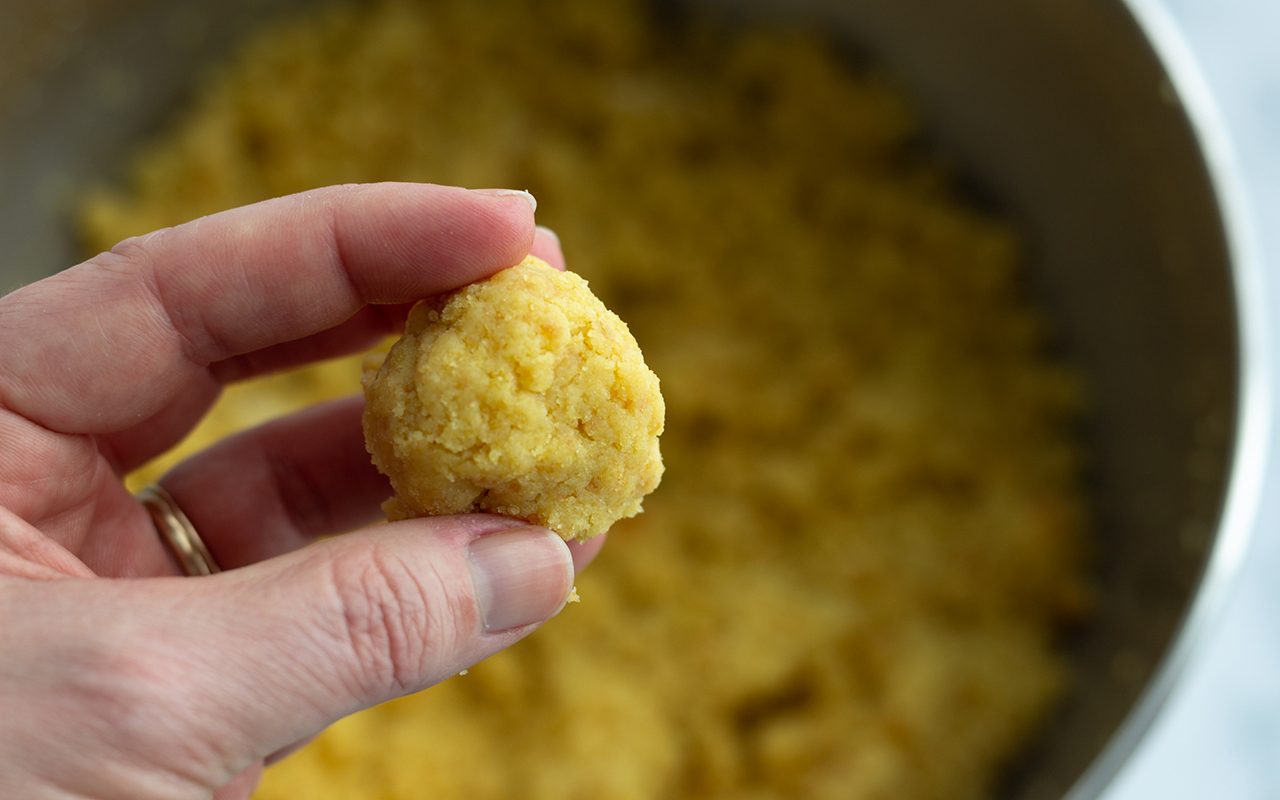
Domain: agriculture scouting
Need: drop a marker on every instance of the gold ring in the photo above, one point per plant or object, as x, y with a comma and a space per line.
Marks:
177, 531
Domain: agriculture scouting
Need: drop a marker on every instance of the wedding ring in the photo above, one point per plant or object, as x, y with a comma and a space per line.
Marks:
177, 531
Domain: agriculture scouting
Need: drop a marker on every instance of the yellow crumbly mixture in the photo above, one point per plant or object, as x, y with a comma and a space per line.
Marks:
849, 583
520, 395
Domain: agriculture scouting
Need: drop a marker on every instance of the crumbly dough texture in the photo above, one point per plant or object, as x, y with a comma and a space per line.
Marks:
519, 395
850, 583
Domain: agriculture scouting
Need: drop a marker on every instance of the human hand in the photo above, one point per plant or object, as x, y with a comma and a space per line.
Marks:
120, 679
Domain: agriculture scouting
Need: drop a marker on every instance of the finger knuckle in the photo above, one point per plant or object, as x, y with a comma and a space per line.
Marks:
127, 256
395, 621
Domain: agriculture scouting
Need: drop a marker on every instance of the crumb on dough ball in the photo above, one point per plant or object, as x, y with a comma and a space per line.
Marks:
519, 395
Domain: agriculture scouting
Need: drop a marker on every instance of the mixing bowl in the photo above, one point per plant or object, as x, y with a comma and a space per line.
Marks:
1083, 122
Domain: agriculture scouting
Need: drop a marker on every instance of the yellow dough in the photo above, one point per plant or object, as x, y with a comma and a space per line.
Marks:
871, 536
520, 395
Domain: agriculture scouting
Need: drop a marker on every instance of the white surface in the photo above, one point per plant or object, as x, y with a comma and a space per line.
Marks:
1219, 737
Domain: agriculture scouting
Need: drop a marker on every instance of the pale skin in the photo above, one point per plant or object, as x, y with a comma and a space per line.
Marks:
119, 678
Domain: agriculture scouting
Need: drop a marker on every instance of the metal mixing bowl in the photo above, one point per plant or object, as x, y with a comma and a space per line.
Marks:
1083, 121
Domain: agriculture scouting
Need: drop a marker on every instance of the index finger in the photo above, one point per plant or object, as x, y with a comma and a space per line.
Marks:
118, 339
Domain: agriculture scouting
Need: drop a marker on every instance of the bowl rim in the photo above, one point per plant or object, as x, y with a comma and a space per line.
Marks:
1254, 410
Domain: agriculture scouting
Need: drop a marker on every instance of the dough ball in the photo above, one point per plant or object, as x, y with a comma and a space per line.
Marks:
520, 395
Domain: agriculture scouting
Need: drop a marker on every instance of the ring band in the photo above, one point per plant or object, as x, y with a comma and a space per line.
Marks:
177, 531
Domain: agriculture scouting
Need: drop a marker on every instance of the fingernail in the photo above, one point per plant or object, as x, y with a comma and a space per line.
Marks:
550, 234
528, 198
520, 577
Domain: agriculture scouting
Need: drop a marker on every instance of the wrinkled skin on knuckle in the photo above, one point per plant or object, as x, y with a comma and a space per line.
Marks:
137, 250
401, 625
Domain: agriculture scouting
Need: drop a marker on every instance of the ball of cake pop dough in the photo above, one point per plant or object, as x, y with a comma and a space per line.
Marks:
519, 395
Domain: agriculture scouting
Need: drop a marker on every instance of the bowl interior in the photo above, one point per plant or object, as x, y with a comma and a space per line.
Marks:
1059, 111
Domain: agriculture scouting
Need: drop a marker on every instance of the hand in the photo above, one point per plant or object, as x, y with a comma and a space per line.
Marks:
120, 679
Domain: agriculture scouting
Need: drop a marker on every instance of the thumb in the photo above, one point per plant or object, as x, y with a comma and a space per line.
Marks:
289, 645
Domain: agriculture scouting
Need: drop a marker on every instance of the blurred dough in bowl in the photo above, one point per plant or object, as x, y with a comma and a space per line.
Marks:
871, 532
